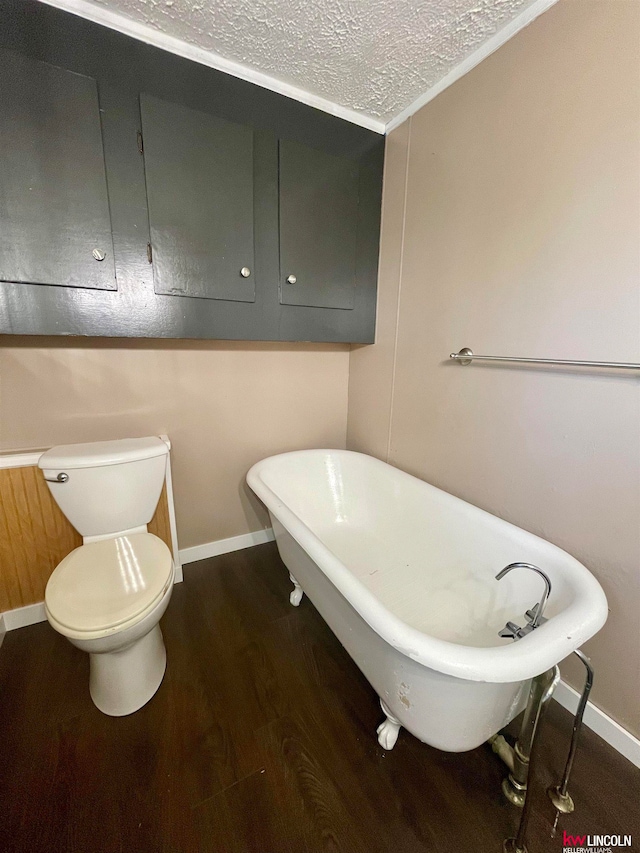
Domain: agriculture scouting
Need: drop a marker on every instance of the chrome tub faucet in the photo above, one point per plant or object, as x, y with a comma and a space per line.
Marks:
535, 614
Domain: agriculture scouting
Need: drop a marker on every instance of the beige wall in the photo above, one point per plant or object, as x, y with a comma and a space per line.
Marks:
224, 405
520, 236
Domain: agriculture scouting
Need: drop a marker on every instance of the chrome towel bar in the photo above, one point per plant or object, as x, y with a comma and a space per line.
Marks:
466, 356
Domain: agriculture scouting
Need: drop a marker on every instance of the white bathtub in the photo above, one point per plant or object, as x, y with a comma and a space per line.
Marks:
404, 575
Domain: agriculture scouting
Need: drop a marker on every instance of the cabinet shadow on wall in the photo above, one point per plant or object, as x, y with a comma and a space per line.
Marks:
82, 342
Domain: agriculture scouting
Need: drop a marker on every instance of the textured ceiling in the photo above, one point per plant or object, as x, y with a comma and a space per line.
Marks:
372, 56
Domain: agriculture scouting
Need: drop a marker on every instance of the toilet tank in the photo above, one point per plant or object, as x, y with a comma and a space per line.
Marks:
107, 487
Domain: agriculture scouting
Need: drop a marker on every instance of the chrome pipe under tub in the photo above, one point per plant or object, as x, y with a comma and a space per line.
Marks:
545, 684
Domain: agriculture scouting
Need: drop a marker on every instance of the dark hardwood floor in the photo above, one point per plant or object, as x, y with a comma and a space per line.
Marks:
261, 738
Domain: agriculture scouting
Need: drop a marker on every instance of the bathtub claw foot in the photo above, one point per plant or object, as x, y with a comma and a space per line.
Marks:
296, 594
389, 729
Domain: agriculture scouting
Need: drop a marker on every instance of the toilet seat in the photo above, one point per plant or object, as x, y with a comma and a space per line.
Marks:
106, 586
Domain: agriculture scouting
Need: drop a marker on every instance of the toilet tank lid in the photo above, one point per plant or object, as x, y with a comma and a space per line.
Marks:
99, 453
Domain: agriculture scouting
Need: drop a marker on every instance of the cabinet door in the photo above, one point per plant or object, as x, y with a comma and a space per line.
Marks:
318, 227
54, 209
199, 176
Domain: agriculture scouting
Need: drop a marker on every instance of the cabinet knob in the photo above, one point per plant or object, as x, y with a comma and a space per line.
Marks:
291, 279
245, 272
98, 254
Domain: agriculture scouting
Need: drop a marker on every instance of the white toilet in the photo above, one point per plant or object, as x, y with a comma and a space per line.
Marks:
108, 595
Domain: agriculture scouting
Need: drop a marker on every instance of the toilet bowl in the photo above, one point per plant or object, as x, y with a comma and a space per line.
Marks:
107, 596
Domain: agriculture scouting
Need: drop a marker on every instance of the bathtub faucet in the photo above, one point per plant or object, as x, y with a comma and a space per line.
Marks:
534, 615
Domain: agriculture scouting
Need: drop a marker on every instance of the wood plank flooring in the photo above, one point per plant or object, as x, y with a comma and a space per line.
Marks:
261, 738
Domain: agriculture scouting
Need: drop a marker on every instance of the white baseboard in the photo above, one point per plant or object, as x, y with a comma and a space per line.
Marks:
225, 546
34, 613
21, 616
620, 739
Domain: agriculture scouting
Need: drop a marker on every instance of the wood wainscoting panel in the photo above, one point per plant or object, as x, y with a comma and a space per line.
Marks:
35, 535
159, 524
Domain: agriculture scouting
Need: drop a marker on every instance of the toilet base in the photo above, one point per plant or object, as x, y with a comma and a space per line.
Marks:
121, 682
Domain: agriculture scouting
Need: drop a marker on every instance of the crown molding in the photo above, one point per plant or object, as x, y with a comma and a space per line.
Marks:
149, 35
490, 46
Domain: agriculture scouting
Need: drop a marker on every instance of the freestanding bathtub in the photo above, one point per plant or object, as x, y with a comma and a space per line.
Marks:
404, 575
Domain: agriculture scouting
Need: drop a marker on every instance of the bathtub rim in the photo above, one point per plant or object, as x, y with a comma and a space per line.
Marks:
529, 657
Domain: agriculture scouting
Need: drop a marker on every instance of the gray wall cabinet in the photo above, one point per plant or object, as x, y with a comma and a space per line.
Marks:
199, 177
318, 227
55, 226
143, 195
